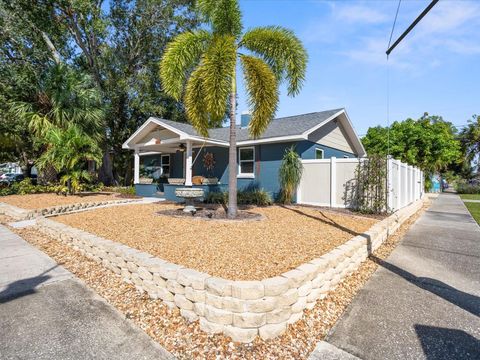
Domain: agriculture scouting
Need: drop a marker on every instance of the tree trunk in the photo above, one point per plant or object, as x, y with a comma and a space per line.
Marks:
105, 172
232, 154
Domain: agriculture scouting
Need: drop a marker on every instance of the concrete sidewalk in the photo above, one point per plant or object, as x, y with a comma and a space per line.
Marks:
46, 313
424, 301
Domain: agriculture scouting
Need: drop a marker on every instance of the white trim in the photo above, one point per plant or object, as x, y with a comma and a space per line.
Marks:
324, 122
182, 135
272, 139
246, 176
323, 153
353, 134
239, 173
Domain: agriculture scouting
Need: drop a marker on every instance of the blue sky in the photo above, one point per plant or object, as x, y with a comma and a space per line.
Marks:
436, 69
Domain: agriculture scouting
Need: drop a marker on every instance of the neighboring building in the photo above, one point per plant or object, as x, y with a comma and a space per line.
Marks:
169, 154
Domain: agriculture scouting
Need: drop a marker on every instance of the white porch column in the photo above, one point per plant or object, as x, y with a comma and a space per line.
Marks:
188, 164
136, 167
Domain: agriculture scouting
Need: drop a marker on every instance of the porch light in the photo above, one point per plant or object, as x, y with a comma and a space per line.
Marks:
182, 148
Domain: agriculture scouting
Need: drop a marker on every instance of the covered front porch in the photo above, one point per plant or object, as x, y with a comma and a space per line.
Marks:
164, 159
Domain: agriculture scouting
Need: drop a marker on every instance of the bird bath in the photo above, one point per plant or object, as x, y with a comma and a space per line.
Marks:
189, 194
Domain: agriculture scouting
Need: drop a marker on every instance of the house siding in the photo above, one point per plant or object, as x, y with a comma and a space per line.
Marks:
268, 158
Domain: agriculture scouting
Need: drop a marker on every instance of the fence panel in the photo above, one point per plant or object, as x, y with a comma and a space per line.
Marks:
331, 182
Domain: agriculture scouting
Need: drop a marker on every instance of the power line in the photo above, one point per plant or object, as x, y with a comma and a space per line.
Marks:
412, 25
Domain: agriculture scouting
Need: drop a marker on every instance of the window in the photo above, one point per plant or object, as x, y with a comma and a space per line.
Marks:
318, 153
246, 161
346, 156
166, 165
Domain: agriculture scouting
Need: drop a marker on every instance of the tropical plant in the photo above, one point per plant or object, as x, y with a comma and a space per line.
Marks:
257, 197
201, 65
68, 151
289, 174
63, 97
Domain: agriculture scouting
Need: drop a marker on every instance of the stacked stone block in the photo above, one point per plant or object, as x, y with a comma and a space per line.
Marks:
239, 309
23, 214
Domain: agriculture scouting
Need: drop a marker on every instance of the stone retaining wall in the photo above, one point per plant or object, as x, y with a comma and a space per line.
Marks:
239, 309
26, 214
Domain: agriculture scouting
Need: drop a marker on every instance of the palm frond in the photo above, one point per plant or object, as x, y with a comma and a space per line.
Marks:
262, 90
224, 16
217, 69
181, 55
282, 50
195, 105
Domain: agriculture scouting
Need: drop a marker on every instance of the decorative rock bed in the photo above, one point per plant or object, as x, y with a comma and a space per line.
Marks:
239, 309
24, 214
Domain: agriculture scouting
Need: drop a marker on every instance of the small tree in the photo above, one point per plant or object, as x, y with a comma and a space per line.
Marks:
290, 174
68, 151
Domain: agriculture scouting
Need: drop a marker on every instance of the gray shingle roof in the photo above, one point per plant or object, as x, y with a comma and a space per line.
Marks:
286, 126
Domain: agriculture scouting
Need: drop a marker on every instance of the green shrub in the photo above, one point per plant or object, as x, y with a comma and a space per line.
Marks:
125, 190
254, 197
216, 197
465, 188
257, 197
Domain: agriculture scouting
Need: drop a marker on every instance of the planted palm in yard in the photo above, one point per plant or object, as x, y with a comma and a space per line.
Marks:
290, 174
202, 66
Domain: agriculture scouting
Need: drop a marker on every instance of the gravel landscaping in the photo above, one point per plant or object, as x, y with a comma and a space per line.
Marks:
186, 340
238, 250
41, 201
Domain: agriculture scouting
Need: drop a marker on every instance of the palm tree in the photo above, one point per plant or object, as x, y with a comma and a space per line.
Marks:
68, 151
202, 66
290, 174
64, 96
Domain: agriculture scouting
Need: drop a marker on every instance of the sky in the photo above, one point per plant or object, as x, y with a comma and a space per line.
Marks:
436, 69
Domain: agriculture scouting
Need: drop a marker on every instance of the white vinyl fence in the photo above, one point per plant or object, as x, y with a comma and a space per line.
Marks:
329, 182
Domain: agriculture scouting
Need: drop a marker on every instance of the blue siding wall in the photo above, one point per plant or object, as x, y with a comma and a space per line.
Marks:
268, 158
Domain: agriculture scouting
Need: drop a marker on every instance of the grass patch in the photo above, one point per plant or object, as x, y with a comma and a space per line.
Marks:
474, 209
470, 196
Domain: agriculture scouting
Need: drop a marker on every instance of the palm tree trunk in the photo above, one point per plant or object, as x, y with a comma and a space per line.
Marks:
232, 154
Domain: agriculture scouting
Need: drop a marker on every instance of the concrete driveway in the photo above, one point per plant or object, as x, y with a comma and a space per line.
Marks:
424, 301
46, 313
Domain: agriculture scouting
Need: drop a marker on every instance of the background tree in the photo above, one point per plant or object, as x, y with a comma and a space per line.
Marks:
202, 65
429, 143
470, 138
118, 43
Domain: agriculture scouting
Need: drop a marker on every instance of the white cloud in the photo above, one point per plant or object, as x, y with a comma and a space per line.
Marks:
359, 14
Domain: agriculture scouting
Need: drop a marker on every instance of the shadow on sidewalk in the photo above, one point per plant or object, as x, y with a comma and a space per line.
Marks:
23, 287
464, 300
443, 343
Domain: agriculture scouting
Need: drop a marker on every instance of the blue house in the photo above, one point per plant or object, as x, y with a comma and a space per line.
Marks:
169, 154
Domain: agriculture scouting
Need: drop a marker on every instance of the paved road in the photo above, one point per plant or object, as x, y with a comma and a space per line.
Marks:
424, 301
46, 313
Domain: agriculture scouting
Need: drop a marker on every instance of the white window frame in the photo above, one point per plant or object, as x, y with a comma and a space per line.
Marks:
323, 153
169, 164
246, 175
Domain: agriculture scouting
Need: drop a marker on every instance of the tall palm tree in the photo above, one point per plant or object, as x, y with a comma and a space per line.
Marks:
202, 66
